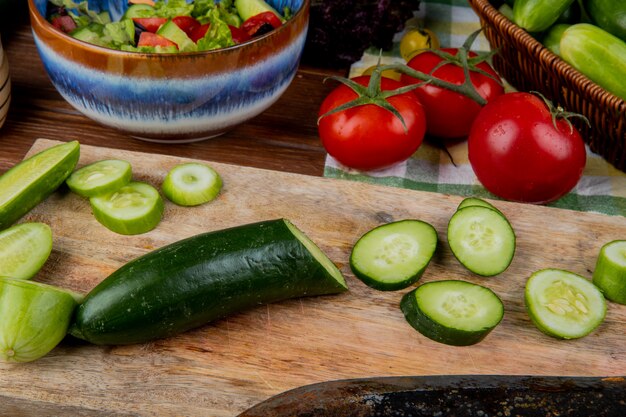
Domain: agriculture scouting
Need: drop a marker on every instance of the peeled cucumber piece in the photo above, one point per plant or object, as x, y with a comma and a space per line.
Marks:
35, 318
24, 248
610, 272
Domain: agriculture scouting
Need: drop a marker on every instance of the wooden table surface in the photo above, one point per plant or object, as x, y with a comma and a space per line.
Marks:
283, 138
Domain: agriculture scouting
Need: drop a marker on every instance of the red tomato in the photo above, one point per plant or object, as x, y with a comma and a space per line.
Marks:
152, 39
239, 35
199, 32
518, 154
369, 137
152, 24
64, 23
252, 25
187, 23
449, 114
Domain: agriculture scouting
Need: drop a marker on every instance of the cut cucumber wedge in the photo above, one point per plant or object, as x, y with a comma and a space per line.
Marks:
133, 209
393, 256
191, 184
562, 304
24, 248
610, 272
453, 312
100, 177
482, 239
473, 201
32, 180
35, 318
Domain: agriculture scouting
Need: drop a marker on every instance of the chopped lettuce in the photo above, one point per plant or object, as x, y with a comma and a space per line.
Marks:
172, 8
218, 35
81, 13
119, 33
227, 12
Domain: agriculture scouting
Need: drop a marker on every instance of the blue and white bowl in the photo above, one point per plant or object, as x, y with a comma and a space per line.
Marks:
172, 98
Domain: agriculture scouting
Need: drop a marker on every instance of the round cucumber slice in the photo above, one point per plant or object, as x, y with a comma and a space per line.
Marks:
393, 256
191, 184
473, 201
133, 209
481, 239
32, 180
453, 312
610, 272
562, 304
35, 318
100, 177
24, 248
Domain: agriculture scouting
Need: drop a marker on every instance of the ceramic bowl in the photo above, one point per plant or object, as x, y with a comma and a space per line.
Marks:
171, 97
5, 86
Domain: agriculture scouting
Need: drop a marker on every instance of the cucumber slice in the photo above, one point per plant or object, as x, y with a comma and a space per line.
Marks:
481, 239
32, 180
453, 312
24, 248
473, 201
100, 177
610, 272
139, 10
393, 256
35, 318
249, 8
562, 304
133, 209
191, 184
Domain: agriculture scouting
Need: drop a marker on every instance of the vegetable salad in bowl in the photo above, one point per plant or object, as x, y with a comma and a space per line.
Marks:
167, 26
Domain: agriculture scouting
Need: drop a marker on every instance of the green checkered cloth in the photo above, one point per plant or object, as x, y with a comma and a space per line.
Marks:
446, 169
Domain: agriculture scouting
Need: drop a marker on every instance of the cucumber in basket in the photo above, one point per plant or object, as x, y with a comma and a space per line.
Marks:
206, 277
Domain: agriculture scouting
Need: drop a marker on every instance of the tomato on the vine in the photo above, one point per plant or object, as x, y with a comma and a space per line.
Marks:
368, 136
449, 114
522, 149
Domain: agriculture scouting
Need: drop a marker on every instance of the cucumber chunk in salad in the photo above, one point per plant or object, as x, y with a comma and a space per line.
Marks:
482, 239
191, 184
453, 312
394, 255
133, 209
562, 304
100, 177
610, 272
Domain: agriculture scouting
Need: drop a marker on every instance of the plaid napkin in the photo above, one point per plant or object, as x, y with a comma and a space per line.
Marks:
445, 167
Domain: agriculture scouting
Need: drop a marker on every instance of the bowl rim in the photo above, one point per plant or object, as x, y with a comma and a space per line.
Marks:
47, 26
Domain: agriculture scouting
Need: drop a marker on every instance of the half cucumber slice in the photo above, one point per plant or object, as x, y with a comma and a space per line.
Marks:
393, 256
453, 312
610, 272
482, 239
562, 304
133, 209
191, 184
100, 177
32, 180
35, 318
24, 248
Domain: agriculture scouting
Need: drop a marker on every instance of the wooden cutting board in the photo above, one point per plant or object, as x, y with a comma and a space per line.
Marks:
225, 367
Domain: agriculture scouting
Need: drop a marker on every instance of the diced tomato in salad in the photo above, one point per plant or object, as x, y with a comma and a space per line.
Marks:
64, 23
152, 39
151, 24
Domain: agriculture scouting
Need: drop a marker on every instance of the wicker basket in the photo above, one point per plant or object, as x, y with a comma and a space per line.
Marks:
527, 65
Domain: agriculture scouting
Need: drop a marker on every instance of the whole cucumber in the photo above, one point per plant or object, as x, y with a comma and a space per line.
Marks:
205, 277
552, 39
597, 54
610, 15
538, 15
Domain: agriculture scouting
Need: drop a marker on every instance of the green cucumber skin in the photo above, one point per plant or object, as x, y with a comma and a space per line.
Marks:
13, 210
598, 55
200, 279
607, 277
435, 331
610, 15
538, 15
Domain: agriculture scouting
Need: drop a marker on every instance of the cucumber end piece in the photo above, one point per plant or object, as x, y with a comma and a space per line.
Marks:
610, 272
192, 184
321, 257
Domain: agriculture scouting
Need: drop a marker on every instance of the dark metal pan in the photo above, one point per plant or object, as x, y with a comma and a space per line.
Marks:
451, 396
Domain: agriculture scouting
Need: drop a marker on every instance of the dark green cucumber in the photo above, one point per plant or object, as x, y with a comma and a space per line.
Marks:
203, 278
610, 15
453, 312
